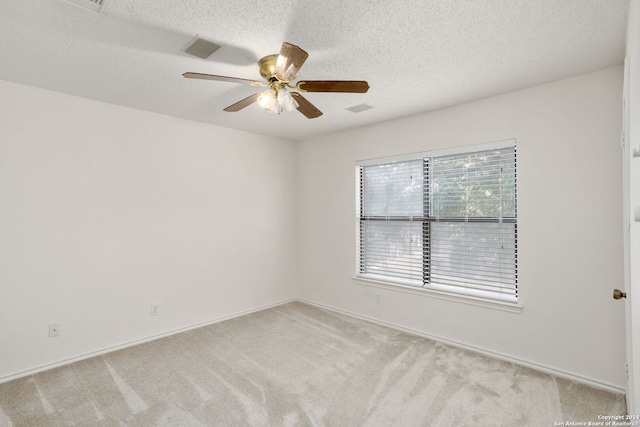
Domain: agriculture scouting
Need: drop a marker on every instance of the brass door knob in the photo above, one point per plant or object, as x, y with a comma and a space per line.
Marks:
617, 294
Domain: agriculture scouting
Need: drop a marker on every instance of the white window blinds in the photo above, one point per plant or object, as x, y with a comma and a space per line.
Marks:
390, 239
445, 222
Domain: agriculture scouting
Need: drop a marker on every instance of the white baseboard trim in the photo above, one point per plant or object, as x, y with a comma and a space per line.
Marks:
507, 358
538, 367
110, 349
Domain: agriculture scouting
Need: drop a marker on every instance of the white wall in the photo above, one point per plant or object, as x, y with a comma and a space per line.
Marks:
105, 210
569, 225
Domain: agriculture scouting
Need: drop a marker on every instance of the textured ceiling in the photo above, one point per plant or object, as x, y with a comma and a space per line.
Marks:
417, 55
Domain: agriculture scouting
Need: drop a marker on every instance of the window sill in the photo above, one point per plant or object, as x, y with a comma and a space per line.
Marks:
431, 293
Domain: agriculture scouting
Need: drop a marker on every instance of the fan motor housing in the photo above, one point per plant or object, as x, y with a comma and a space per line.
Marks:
268, 66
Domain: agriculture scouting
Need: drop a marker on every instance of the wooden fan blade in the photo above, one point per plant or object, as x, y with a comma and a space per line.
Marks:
305, 107
190, 75
289, 61
352, 86
243, 103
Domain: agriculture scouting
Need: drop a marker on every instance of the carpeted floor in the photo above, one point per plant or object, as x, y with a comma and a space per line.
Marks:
297, 365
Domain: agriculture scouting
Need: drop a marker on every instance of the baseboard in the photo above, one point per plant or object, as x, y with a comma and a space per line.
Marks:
507, 358
522, 362
121, 346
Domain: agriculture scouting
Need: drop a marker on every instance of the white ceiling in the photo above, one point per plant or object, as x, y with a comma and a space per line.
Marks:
417, 55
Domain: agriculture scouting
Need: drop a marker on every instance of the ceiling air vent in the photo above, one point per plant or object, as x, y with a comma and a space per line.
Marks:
92, 5
359, 108
200, 47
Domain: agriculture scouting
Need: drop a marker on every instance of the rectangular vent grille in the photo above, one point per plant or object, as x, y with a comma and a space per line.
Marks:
200, 47
359, 108
92, 5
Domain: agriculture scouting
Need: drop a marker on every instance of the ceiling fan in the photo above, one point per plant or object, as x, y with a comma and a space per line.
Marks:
279, 70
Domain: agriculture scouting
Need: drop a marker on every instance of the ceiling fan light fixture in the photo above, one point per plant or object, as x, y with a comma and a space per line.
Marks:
286, 101
275, 108
269, 101
279, 71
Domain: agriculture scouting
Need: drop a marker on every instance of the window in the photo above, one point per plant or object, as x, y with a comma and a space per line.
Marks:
445, 221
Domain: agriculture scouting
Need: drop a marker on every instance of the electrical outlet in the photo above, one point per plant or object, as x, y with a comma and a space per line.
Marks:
155, 309
378, 300
54, 330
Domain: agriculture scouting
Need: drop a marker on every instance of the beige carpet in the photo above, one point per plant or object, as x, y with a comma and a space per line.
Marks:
297, 365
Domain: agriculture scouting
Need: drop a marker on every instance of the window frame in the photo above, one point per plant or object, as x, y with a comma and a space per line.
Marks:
432, 290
